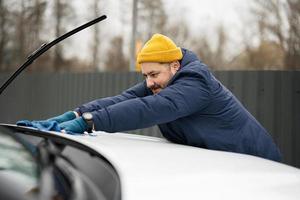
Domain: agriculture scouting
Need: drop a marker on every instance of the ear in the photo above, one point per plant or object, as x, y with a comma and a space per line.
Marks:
175, 66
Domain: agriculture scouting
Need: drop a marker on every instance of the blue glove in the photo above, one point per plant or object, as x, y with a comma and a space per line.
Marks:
67, 116
74, 126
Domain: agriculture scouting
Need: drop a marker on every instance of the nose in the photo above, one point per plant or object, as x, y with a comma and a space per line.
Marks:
149, 82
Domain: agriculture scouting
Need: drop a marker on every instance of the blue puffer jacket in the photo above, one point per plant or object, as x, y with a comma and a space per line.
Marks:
194, 109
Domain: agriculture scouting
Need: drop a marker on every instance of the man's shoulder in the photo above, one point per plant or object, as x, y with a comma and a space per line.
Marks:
195, 68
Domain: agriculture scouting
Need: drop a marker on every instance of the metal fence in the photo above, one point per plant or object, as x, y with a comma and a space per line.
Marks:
273, 97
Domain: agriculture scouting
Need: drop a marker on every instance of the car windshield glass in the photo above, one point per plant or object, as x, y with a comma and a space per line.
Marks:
16, 162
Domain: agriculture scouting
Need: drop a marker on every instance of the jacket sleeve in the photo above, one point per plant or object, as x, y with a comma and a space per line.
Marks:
185, 96
139, 90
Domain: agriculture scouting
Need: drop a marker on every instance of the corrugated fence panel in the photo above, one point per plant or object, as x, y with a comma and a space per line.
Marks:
296, 120
284, 115
273, 97
266, 104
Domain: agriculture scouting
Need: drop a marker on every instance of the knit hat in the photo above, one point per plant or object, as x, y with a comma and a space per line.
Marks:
159, 48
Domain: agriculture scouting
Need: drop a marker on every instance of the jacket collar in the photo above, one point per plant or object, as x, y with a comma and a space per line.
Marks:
188, 57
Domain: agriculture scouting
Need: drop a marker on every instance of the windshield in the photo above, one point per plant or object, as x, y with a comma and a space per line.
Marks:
51, 168
17, 164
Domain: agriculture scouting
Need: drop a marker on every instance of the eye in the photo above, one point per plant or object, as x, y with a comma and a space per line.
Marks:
154, 75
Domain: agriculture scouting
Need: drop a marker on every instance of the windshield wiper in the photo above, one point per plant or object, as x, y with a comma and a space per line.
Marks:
44, 47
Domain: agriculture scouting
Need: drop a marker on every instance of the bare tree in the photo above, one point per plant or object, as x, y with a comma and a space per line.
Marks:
20, 25
153, 16
292, 59
62, 10
279, 21
37, 21
3, 33
58, 57
204, 50
220, 61
35, 26
212, 55
116, 60
96, 32
180, 33
270, 19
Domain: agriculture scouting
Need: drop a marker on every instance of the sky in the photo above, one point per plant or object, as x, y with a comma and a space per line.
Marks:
202, 16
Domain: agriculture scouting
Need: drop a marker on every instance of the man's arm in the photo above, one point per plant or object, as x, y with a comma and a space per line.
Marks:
139, 90
186, 96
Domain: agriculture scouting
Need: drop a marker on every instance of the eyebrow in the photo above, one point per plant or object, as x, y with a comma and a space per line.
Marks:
151, 72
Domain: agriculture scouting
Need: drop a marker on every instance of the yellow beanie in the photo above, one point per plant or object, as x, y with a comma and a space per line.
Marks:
159, 48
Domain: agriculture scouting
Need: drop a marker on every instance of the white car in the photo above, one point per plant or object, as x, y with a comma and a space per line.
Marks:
133, 167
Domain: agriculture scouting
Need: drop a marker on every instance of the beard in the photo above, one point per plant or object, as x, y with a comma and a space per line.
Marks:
156, 88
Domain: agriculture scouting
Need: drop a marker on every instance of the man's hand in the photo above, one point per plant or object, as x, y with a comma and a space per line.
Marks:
67, 116
77, 125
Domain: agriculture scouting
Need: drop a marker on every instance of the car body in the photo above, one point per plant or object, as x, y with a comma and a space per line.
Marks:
133, 167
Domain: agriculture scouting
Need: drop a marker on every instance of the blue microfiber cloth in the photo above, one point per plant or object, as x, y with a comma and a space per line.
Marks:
40, 125
43, 125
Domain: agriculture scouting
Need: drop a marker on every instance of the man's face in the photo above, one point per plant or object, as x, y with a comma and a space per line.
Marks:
158, 75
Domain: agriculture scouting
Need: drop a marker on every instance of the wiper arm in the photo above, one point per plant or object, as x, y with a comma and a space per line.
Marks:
42, 49
48, 153
51, 160
82, 188
46, 160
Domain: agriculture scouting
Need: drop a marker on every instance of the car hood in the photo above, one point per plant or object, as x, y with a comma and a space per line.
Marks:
154, 168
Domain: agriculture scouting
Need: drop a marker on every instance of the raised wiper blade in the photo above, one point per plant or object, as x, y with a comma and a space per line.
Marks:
42, 49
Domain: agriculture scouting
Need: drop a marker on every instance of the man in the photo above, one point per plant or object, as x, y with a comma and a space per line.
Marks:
183, 98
